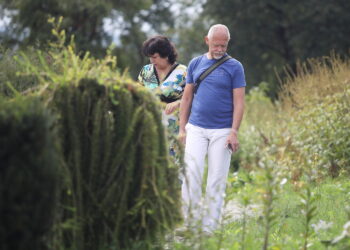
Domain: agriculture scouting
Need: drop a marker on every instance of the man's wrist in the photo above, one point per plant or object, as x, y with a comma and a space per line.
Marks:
234, 131
182, 131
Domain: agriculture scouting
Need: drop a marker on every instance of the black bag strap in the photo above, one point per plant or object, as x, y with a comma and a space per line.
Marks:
209, 70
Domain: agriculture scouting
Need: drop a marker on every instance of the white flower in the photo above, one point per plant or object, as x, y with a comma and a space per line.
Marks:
321, 225
347, 228
344, 234
283, 181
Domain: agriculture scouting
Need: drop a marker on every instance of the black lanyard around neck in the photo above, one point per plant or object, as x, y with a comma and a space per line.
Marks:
170, 71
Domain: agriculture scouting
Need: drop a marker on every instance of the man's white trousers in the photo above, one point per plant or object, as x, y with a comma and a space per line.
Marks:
204, 212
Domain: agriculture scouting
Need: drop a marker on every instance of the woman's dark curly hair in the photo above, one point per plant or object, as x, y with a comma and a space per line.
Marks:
160, 45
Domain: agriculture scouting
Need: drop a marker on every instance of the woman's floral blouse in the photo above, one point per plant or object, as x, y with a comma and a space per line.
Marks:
171, 88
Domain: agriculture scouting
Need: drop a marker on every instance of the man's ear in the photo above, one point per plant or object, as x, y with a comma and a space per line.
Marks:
206, 39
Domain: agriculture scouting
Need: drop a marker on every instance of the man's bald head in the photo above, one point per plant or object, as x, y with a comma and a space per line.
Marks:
218, 29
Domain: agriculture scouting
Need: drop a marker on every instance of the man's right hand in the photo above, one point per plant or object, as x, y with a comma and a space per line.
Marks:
182, 137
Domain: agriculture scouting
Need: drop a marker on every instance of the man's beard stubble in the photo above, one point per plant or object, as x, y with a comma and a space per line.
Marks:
217, 56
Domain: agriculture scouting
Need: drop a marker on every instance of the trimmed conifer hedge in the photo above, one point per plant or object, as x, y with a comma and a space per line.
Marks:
28, 175
121, 189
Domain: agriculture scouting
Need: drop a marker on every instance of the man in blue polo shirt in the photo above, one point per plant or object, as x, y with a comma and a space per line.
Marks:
209, 123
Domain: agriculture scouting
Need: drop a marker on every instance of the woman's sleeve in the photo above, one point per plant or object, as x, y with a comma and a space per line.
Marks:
140, 77
183, 82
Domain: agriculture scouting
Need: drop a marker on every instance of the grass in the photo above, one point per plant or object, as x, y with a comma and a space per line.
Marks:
314, 80
331, 197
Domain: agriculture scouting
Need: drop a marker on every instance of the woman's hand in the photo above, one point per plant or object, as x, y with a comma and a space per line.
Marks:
171, 107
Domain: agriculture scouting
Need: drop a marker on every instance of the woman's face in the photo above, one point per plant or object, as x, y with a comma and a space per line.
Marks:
158, 61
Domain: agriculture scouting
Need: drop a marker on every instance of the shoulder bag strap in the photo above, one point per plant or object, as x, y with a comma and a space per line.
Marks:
209, 70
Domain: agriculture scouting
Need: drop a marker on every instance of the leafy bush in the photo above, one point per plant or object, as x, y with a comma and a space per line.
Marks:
28, 173
317, 102
119, 178
8, 73
322, 134
260, 121
307, 131
120, 187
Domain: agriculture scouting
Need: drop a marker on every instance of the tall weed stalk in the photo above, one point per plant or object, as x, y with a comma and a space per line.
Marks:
268, 195
309, 212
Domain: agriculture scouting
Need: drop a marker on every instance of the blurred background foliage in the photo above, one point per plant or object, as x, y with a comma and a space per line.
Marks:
27, 24
268, 36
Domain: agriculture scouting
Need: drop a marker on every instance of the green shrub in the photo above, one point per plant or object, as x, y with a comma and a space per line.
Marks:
8, 73
120, 188
308, 129
261, 119
316, 104
28, 175
119, 178
322, 134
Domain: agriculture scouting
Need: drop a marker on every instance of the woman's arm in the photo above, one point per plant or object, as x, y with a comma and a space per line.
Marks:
171, 107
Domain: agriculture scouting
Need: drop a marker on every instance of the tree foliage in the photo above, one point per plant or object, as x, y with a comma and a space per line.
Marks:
267, 35
85, 20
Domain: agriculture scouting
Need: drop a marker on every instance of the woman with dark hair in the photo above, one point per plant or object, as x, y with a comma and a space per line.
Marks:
164, 76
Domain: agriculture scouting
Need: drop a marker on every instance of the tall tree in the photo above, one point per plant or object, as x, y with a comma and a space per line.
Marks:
85, 20
189, 29
267, 35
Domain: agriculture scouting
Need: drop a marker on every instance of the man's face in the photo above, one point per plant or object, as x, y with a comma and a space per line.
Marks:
217, 45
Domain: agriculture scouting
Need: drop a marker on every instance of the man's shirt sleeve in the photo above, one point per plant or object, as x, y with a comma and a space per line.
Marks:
189, 76
238, 80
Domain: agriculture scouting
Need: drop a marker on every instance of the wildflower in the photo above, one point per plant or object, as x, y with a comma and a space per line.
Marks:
322, 225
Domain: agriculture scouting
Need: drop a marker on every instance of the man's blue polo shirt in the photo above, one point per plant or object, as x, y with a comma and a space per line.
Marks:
212, 106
